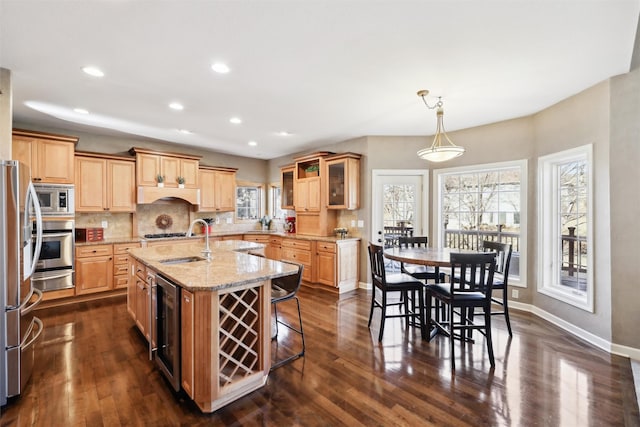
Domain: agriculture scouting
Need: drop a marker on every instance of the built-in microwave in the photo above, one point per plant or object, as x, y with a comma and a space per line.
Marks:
56, 199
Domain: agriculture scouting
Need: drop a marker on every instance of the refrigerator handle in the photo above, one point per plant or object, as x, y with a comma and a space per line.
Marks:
36, 253
26, 308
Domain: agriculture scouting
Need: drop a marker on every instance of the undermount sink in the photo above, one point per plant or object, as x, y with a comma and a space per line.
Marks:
182, 260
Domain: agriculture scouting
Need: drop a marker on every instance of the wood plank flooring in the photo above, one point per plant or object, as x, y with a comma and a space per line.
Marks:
92, 370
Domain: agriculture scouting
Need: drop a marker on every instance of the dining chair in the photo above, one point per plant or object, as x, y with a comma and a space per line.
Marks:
286, 289
388, 283
501, 278
420, 272
469, 287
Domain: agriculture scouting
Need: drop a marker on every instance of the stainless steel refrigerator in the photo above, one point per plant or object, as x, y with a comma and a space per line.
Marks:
19, 252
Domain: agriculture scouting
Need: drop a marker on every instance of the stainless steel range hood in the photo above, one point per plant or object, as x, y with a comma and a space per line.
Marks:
148, 195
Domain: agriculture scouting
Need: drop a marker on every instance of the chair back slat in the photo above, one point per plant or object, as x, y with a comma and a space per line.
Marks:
472, 272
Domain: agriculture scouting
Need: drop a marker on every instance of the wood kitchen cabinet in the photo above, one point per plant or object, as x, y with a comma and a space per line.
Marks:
150, 164
336, 264
49, 157
342, 173
286, 183
300, 252
94, 269
218, 189
121, 264
104, 183
274, 248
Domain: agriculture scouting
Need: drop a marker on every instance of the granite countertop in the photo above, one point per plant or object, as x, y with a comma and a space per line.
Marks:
230, 265
137, 239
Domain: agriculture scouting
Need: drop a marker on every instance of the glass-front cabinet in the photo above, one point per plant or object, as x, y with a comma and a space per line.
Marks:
287, 187
343, 175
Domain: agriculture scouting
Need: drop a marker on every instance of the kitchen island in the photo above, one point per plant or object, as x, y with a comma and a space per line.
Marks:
221, 349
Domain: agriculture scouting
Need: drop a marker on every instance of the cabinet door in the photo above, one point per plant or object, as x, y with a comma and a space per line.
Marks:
142, 306
147, 169
94, 274
207, 190
91, 184
131, 289
286, 182
170, 169
307, 195
187, 341
22, 150
189, 171
55, 162
326, 268
343, 188
225, 191
121, 186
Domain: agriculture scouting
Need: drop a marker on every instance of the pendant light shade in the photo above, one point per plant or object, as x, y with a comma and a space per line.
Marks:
442, 148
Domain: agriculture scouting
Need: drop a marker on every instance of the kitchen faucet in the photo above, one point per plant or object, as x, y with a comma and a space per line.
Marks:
206, 251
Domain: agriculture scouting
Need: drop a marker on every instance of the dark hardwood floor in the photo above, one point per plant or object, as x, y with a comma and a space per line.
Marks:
92, 370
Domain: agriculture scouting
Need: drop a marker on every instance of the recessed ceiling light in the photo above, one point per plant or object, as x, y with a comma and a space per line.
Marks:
284, 133
93, 71
176, 106
185, 131
220, 68
252, 143
81, 111
235, 120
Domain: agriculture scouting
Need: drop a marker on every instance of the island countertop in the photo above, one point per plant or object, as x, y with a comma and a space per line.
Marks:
230, 265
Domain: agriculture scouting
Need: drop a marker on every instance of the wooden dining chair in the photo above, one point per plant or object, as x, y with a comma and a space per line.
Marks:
501, 278
469, 287
286, 289
388, 283
420, 272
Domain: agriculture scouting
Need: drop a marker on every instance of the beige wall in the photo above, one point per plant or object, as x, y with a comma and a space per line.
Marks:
625, 208
5, 114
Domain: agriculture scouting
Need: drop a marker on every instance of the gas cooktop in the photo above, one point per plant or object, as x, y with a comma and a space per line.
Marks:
164, 235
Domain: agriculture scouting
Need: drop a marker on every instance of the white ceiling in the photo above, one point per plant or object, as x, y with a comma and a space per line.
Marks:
325, 71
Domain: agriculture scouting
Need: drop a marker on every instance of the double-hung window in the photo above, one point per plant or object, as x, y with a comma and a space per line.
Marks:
565, 227
484, 202
248, 202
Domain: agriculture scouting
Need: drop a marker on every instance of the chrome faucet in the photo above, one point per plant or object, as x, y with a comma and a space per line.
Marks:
206, 251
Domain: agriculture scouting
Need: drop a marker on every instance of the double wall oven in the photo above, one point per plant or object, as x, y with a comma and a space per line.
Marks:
54, 269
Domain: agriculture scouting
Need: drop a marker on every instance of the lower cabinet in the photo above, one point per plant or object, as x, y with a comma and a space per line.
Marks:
300, 252
94, 269
336, 264
274, 248
121, 264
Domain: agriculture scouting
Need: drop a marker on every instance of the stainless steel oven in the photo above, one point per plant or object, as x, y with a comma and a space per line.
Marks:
166, 329
56, 199
54, 269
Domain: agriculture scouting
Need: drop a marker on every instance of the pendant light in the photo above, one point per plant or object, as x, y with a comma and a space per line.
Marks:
442, 149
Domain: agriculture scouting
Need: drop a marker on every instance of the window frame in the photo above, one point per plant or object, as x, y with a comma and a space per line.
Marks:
275, 201
549, 228
261, 201
522, 164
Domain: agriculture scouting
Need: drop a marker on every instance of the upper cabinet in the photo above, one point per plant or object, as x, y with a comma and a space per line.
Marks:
171, 166
104, 183
343, 178
286, 182
218, 189
50, 157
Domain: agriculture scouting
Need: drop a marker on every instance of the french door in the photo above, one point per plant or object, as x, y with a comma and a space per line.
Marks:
399, 201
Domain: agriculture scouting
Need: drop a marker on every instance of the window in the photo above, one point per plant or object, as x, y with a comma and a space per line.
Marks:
275, 202
248, 202
484, 202
565, 229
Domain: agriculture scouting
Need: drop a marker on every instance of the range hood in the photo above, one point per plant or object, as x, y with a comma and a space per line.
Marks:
148, 195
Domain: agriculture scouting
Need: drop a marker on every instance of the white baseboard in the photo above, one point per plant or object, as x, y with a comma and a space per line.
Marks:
609, 347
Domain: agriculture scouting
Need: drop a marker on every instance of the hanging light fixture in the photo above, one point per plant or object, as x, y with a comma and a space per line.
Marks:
442, 149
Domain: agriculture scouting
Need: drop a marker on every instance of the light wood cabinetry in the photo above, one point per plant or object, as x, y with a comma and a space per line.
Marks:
187, 332
121, 264
299, 251
218, 189
104, 183
274, 248
343, 178
49, 157
286, 183
138, 295
150, 164
336, 264
326, 263
307, 195
94, 269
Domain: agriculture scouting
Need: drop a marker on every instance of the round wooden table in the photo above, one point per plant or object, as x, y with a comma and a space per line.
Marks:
436, 257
